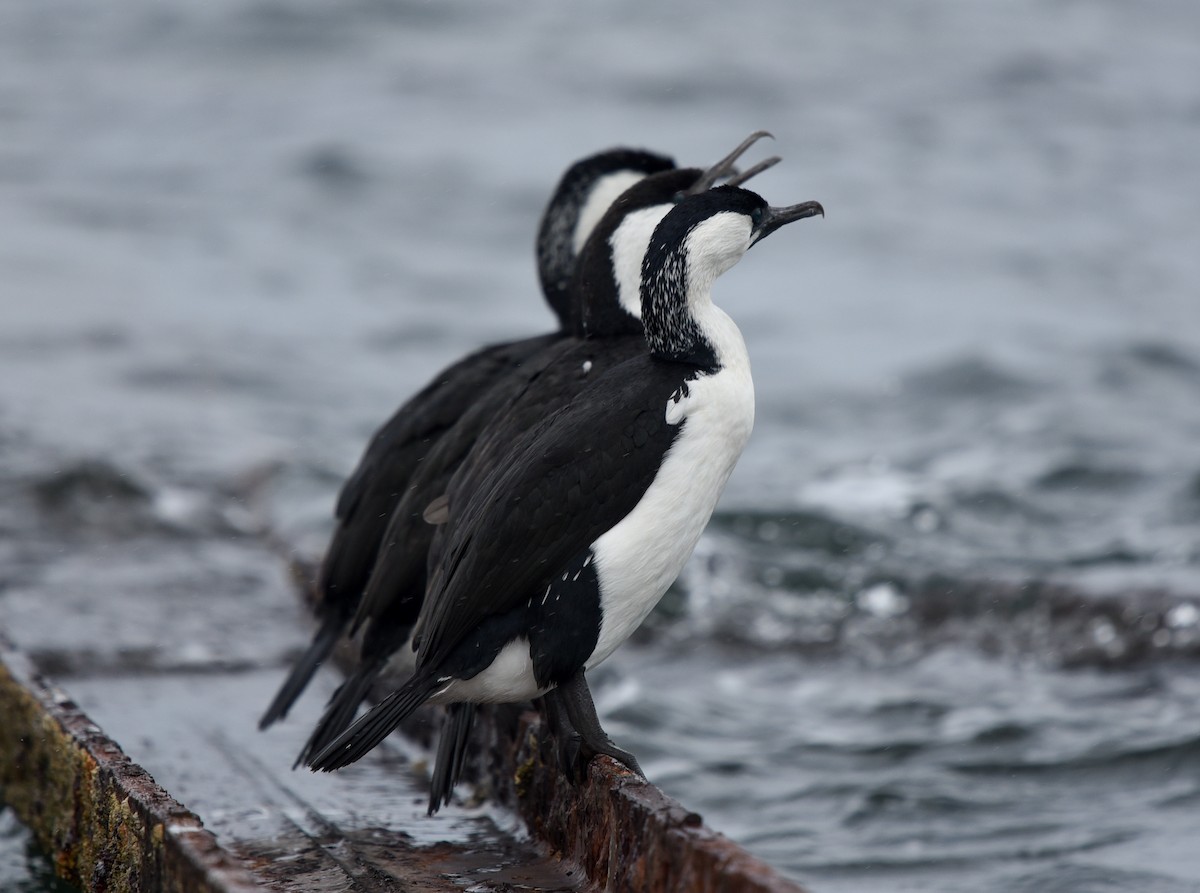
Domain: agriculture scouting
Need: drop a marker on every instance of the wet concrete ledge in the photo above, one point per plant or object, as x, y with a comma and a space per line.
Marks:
107, 824
110, 827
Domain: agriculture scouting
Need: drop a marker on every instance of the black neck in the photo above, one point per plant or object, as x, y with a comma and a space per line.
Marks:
671, 330
556, 255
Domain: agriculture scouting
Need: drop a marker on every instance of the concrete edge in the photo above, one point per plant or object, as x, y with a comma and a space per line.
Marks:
106, 823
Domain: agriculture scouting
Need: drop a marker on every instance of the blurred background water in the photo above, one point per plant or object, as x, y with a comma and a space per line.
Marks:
943, 632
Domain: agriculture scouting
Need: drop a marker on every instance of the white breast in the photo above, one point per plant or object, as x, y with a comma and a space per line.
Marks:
643, 554
506, 679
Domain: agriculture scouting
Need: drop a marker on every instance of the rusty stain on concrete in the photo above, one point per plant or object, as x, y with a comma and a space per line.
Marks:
623, 832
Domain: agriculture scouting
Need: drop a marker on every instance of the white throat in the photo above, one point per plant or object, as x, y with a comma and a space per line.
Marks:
713, 248
629, 244
605, 191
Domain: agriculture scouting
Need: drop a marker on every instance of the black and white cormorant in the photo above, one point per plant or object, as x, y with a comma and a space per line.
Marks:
607, 305
562, 551
364, 506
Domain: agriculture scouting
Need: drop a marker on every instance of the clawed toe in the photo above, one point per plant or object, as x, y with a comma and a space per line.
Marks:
575, 754
624, 757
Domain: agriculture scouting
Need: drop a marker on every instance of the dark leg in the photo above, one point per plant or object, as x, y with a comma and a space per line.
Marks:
567, 742
575, 699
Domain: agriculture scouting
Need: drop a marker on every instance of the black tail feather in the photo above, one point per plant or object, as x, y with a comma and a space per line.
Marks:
451, 755
339, 712
362, 737
304, 668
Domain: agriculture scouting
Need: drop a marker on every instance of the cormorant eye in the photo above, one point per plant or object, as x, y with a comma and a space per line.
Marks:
757, 215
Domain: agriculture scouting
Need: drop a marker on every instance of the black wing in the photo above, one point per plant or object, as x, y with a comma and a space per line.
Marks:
366, 501
576, 367
468, 451
566, 482
399, 564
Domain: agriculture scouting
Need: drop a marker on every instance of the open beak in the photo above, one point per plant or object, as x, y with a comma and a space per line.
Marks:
777, 217
739, 178
724, 167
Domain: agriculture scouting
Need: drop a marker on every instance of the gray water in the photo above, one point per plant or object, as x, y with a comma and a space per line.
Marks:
23, 867
943, 632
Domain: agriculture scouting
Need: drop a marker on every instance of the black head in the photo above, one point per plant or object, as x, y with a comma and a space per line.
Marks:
584, 190
698, 240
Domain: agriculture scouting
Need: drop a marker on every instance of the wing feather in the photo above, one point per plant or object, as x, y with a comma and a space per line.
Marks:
563, 484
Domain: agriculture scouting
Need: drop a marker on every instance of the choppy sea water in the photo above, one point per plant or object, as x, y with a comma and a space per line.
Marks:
942, 633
